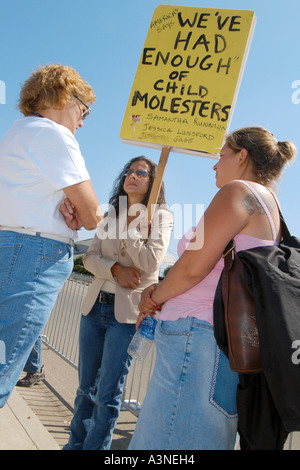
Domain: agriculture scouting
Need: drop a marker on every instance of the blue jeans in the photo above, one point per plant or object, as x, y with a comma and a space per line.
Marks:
191, 399
32, 272
103, 366
34, 362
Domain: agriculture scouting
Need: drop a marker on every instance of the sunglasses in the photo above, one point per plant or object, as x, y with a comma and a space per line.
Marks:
138, 173
88, 109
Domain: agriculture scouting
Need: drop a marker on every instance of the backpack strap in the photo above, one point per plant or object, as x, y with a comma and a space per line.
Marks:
229, 251
264, 206
284, 228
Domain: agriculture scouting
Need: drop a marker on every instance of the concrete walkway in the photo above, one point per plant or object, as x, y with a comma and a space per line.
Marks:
38, 418
20, 429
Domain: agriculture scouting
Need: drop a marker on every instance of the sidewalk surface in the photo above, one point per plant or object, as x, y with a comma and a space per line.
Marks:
38, 418
20, 429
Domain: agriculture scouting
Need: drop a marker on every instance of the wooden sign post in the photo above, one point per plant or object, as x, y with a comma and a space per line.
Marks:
154, 193
158, 178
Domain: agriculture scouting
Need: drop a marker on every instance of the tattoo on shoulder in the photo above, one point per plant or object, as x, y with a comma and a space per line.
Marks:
251, 205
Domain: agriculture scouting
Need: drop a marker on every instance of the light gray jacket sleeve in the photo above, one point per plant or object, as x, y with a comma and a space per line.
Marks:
148, 255
96, 263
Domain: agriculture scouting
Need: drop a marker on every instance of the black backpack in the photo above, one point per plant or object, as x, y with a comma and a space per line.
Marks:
272, 276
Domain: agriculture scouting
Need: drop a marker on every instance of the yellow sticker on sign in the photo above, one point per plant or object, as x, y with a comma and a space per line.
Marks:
188, 78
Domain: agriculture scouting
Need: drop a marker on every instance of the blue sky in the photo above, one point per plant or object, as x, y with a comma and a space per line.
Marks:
103, 41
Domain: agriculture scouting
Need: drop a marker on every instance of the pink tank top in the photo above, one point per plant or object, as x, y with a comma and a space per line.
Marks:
198, 301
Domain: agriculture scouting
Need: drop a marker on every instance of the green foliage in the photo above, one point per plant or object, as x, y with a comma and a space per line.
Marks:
79, 268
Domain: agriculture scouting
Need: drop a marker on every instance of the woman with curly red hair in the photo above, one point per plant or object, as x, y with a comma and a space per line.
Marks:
40, 164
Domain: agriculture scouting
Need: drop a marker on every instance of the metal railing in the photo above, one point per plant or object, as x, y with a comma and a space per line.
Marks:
62, 329
61, 336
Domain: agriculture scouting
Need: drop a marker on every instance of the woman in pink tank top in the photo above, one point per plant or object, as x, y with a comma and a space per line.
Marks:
190, 403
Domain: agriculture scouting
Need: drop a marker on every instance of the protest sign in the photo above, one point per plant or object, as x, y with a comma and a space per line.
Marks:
187, 79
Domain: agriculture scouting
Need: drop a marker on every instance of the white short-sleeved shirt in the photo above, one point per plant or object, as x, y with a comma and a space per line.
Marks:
38, 158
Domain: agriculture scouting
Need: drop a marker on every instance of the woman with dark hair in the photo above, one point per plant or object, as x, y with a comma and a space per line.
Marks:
118, 187
124, 264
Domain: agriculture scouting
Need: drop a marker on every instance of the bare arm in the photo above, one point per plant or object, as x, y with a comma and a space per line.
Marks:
224, 218
84, 209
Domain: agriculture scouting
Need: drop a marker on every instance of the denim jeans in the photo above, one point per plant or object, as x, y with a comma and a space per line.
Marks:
103, 366
33, 270
34, 362
191, 399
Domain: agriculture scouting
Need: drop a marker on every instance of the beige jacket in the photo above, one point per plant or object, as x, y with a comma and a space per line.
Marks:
129, 249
